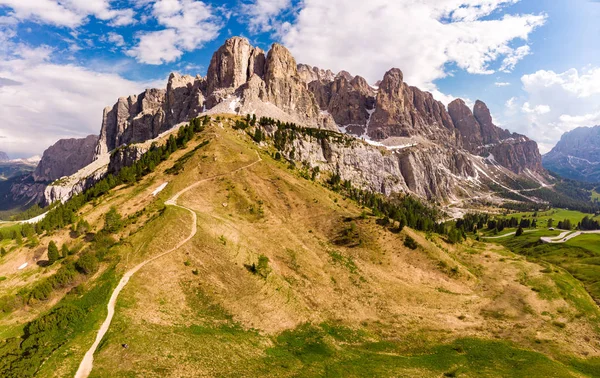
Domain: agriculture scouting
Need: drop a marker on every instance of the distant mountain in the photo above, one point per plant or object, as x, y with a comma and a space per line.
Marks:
4, 156
577, 155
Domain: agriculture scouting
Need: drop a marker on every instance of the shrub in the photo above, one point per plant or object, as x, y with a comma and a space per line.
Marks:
409, 242
113, 221
87, 263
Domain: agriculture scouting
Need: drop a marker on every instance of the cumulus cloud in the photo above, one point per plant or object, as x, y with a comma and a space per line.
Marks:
116, 39
48, 101
70, 13
421, 37
538, 109
261, 15
188, 25
554, 103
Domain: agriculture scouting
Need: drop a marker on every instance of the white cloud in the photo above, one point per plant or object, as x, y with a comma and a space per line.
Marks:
554, 103
514, 57
45, 101
71, 13
501, 84
260, 15
538, 109
420, 37
116, 39
188, 25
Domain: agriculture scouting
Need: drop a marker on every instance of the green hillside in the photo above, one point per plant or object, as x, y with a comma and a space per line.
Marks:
282, 277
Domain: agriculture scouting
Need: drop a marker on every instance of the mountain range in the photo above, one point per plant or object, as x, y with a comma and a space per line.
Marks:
411, 143
576, 155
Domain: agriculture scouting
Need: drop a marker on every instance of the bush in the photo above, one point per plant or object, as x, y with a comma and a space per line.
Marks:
87, 263
409, 242
519, 231
113, 221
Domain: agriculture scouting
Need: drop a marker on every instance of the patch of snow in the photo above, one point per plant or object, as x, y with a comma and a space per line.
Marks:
159, 189
22, 266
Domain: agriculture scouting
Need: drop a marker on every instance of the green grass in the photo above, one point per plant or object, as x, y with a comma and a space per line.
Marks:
555, 214
580, 257
309, 351
595, 196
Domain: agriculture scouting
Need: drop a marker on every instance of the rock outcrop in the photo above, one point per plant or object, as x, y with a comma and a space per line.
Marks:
64, 158
138, 118
309, 74
576, 155
480, 136
4, 156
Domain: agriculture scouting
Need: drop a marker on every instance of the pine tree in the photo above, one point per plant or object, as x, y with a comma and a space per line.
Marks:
519, 231
53, 254
64, 251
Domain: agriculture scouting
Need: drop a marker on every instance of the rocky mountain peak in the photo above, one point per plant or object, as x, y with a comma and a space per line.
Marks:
309, 74
576, 155
65, 157
280, 63
4, 156
466, 124
230, 64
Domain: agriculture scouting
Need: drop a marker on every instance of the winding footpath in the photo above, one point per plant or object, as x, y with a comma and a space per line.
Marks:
85, 367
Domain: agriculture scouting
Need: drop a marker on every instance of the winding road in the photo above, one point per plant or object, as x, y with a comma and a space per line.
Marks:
565, 236
85, 367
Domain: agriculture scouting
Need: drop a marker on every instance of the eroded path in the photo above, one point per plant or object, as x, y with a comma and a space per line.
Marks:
86, 365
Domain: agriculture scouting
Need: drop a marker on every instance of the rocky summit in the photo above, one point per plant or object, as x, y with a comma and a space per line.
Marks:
406, 141
577, 155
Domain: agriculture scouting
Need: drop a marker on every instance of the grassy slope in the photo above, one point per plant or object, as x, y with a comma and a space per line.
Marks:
366, 307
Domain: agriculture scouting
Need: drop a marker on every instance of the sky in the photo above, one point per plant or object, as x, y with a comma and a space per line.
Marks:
535, 63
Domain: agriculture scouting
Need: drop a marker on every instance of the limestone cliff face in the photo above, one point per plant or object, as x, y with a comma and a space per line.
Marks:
309, 74
480, 136
238, 71
64, 158
138, 118
402, 110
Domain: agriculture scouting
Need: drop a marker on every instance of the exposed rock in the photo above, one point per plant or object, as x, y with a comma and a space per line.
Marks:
4, 156
480, 136
229, 66
576, 155
309, 74
466, 124
490, 133
348, 101
285, 88
407, 111
64, 158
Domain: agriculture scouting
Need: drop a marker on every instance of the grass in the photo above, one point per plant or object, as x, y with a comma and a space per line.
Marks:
595, 196
556, 215
580, 257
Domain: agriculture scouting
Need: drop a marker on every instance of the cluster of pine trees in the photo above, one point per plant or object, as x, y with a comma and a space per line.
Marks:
588, 224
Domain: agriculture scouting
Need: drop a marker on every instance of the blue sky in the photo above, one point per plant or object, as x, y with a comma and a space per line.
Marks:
534, 62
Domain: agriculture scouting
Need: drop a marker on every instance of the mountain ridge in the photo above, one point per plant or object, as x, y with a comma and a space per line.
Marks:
243, 79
